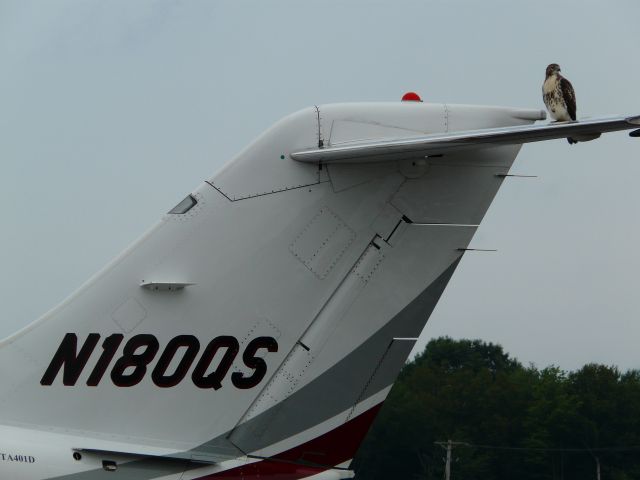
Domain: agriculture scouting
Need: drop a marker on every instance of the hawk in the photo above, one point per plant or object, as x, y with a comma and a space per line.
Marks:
559, 96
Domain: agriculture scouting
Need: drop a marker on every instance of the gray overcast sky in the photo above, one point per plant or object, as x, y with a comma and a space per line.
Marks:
110, 112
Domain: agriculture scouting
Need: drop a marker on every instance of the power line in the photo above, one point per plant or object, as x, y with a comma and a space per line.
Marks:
547, 449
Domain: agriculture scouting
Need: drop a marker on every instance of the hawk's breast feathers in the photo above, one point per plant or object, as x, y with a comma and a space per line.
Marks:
559, 97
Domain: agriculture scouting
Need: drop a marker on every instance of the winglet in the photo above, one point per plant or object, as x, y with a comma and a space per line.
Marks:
634, 121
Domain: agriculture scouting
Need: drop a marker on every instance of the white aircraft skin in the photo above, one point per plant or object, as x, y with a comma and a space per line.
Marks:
256, 330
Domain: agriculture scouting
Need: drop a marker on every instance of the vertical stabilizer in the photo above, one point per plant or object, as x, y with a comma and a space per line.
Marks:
268, 314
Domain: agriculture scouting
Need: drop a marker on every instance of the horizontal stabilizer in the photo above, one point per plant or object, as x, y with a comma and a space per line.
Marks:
440, 144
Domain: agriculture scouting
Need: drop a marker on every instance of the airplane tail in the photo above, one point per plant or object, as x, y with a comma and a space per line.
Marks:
260, 325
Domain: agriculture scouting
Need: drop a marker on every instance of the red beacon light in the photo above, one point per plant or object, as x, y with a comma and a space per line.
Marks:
411, 97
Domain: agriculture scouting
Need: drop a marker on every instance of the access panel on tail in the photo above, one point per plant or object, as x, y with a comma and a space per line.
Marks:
257, 329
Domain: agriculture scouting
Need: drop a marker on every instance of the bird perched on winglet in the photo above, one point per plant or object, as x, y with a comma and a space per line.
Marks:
559, 96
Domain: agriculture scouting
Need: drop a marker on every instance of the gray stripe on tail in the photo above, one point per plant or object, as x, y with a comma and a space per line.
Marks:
341, 386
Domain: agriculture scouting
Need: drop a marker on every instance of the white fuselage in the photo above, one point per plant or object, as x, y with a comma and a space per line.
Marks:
27, 454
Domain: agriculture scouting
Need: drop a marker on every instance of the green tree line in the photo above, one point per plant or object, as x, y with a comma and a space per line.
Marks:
516, 422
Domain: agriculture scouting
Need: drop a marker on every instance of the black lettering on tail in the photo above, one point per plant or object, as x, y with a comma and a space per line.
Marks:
67, 357
256, 363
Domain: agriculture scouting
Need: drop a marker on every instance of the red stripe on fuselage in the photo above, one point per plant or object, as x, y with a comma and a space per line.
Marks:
322, 453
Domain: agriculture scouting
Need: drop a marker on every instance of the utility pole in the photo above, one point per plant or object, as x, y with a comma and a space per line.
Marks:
448, 446
447, 468
597, 459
